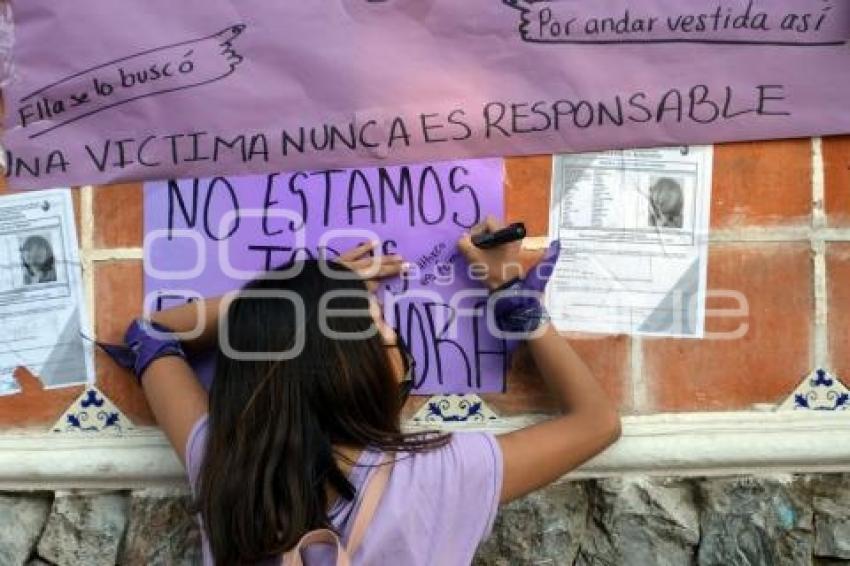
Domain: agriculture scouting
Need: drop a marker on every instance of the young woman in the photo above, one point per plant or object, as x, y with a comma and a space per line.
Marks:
281, 447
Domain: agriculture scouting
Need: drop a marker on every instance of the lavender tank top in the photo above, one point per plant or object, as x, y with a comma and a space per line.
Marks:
437, 507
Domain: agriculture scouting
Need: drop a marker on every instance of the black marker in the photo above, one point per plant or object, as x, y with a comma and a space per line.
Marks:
506, 235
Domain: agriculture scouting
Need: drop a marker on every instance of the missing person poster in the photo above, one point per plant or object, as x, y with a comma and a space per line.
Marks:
633, 226
41, 294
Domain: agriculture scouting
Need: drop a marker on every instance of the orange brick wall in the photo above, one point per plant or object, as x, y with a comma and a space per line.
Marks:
780, 236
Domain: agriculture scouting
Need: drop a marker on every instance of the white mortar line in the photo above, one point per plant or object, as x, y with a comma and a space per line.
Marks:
642, 401
818, 185
119, 254
87, 217
762, 234
820, 334
820, 331
754, 234
536, 243
833, 234
86, 249
779, 235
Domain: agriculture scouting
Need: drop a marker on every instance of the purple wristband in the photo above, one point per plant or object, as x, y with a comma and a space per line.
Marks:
144, 342
518, 304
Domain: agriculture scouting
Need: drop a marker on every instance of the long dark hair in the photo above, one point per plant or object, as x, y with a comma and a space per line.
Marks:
273, 425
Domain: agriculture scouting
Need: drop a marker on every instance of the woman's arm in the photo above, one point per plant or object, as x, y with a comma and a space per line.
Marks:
176, 398
540, 454
171, 387
195, 323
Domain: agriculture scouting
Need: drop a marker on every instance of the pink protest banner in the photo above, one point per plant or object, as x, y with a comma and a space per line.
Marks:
162, 89
206, 237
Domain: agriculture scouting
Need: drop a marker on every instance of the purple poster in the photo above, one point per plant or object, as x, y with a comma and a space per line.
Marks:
205, 237
164, 89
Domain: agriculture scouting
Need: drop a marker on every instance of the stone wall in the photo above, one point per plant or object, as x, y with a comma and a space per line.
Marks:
635, 521
143, 527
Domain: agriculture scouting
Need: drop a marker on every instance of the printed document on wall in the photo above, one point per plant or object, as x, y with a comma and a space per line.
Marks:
633, 226
41, 294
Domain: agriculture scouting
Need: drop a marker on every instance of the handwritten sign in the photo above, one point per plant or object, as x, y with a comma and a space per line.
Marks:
205, 237
721, 23
201, 87
162, 70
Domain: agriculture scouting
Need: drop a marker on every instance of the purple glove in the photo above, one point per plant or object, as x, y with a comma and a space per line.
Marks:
517, 305
145, 342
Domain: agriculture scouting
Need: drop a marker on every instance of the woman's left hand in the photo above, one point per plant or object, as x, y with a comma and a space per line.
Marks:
370, 267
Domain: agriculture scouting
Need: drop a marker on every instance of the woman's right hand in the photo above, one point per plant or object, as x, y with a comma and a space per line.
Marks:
495, 266
362, 261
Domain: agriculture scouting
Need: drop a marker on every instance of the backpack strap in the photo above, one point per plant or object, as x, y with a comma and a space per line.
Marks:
321, 536
369, 504
372, 493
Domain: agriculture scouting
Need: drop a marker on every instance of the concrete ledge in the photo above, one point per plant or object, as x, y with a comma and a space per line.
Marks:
694, 444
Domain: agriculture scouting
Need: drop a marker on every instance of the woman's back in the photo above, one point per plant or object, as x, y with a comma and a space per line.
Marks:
264, 470
436, 509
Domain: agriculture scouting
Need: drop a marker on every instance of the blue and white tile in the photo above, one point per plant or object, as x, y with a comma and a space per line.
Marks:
455, 410
92, 412
819, 391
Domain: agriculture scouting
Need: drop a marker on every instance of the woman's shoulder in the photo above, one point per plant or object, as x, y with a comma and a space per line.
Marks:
464, 445
466, 456
412, 519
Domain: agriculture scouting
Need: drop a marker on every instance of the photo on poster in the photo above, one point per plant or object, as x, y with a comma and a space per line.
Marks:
667, 202
38, 259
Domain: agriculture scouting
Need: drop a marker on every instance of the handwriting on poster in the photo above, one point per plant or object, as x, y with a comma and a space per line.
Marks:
202, 63
245, 225
699, 104
170, 68
720, 23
